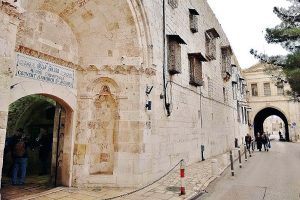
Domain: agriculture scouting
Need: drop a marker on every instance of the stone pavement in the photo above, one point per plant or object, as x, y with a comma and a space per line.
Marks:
198, 175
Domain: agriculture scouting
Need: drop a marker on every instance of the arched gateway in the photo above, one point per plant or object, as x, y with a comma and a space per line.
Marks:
263, 114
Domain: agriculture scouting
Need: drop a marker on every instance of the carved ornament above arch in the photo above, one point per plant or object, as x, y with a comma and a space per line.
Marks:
123, 70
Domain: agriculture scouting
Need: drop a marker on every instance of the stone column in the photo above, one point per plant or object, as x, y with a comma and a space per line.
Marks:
8, 29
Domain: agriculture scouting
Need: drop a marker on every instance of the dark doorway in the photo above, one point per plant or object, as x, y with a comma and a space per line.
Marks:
42, 120
264, 114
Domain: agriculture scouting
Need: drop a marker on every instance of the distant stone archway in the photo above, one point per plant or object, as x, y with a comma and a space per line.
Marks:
264, 114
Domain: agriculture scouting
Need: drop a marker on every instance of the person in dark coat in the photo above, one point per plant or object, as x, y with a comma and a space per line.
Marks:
265, 141
44, 141
259, 141
248, 140
20, 157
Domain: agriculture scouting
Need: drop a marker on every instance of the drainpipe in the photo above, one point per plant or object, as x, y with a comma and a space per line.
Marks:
167, 105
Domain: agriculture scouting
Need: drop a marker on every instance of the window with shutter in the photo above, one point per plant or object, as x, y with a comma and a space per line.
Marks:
210, 43
195, 65
193, 20
174, 54
226, 54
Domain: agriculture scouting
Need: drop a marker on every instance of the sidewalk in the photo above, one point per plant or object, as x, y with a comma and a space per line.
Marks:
197, 177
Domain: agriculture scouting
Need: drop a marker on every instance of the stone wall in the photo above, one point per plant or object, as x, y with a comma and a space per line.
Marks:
116, 51
196, 119
8, 29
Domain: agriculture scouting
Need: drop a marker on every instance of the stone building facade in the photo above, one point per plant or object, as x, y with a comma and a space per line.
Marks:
267, 96
143, 83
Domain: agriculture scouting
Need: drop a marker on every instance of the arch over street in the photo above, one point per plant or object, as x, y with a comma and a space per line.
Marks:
264, 114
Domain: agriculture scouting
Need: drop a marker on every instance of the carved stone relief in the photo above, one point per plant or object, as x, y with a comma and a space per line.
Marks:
103, 129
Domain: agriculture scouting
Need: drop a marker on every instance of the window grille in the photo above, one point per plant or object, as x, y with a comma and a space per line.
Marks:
174, 53
173, 3
210, 43
195, 65
254, 90
226, 62
267, 89
195, 71
194, 23
193, 20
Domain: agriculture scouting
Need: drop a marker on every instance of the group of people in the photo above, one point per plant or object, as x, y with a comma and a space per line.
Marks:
261, 140
18, 146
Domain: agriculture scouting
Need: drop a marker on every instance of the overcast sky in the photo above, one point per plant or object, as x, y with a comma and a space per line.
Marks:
244, 22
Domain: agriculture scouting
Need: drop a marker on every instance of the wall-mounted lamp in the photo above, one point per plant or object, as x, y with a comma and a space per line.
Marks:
148, 90
148, 105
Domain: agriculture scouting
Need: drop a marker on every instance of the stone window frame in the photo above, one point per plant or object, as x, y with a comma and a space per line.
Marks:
174, 53
254, 93
211, 36
267, 89
195, 68
193, 20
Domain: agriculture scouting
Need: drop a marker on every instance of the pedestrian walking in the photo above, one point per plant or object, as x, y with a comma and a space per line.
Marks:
20, 156
266, 141
248, 140
259, 141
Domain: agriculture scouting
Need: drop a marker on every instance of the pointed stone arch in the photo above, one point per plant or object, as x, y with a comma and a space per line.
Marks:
265, 113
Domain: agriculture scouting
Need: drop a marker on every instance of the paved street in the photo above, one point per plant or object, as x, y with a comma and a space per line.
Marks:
272, 175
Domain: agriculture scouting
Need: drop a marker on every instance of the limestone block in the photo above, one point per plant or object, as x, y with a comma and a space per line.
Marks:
104, 179
2, 136
142, 165
128, 180
79, 159
4, 99
80, 149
